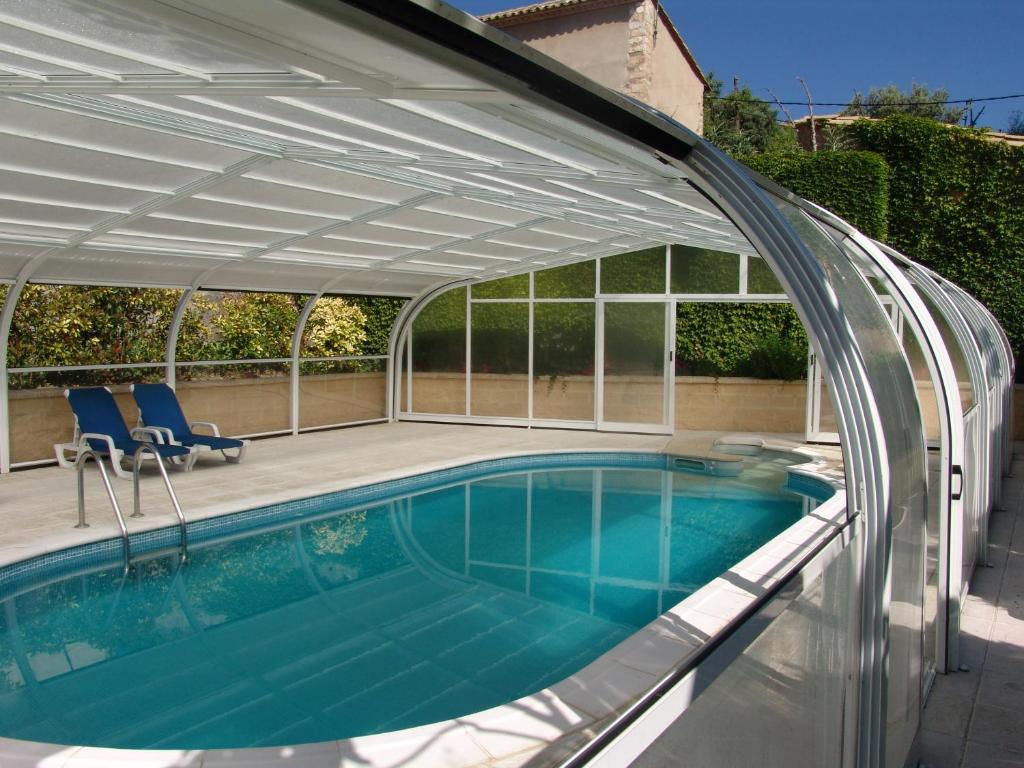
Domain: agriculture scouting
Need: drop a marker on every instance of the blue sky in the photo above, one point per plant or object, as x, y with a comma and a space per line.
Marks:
969, 47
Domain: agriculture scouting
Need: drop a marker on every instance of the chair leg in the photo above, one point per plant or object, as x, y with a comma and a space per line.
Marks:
237, 457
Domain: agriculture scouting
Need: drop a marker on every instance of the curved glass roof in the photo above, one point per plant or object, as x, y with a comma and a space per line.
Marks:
148, 144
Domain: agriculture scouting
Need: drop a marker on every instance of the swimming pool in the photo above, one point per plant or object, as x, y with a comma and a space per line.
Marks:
374, 609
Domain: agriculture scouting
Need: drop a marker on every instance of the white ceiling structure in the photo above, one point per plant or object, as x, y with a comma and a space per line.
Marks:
270, 145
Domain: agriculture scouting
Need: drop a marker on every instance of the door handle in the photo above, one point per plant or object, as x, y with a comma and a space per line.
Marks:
956, 472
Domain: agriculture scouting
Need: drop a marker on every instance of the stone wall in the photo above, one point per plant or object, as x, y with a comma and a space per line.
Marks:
41, 417
702, 403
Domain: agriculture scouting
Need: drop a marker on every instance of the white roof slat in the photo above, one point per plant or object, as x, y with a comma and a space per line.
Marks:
336, 182
132, 33
381, 235
61, 217
45, 189
247, 217
416, 220
89, 165
176, 229
260, 195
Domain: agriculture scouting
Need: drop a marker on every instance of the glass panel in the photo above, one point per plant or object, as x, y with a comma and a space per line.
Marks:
500, 360
740, 367
40, 416
563, 361
403, 379
826, 410
926, 392
341, 391
573, 281
637, 272
956, 353
634, 363
760, 278
83, 325
514, 287
241, 399
439, 355
222, 325
790, 689
900, 417
701, 270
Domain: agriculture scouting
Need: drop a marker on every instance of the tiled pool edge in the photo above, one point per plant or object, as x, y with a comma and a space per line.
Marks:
558, 718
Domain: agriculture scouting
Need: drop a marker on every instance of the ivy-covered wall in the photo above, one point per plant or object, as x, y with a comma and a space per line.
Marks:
956, 204
853, 185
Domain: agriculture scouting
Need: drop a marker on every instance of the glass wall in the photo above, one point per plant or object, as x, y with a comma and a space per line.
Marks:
343, 367
70, 335
594, 343
896, 400
438, 341
232, 361
500, 352
787, 693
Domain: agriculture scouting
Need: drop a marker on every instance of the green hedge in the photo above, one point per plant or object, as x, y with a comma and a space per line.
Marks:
763, 341
956, 204
853, 185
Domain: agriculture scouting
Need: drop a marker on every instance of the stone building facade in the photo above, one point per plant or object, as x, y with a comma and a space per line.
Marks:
630, 46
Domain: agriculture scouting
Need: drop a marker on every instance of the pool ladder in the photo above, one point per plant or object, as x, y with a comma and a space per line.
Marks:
88, 453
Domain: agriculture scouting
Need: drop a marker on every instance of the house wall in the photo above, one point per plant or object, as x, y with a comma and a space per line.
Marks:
675, 88
594, 44
625, 46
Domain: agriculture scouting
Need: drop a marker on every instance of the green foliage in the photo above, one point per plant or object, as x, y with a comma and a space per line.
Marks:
758, 340
380, 313
853, 185
439, 334
573, 281
741, 124
334, 328
80, 325
514, 287
66, 325
956, 204
255, 325
1015, 125
703, 270
635, 272
918, 101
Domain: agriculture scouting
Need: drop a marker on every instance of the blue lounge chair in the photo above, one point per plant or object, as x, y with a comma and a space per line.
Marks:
159, 409
100, 426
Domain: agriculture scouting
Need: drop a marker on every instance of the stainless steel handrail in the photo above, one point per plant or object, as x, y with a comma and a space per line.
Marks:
136, 508
83, 456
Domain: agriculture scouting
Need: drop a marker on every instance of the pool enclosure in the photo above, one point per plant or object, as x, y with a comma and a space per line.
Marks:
548, 239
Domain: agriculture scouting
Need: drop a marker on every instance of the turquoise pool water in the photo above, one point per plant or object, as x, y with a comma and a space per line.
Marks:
410, 609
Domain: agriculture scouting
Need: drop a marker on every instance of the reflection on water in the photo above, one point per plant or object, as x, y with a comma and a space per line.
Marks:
416, 610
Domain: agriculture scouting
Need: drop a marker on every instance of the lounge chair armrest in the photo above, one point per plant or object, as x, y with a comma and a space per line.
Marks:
160, 435
209, 424
85, 437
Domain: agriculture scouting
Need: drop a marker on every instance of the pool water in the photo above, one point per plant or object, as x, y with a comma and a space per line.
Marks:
415, 609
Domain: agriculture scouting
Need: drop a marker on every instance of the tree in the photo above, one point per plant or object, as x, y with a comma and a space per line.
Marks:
919, 101
1016, 125
741, 124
